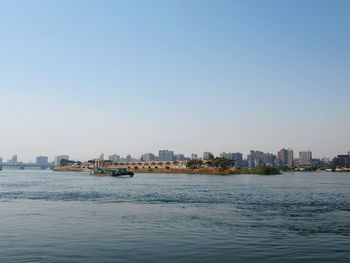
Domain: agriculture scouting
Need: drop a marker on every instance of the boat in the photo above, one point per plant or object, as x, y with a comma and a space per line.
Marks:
120, 172
101, 171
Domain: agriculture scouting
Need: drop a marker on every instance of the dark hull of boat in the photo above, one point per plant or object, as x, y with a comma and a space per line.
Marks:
111, 174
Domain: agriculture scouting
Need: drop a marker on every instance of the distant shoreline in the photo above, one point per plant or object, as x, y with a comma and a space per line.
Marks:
159, 170
210, 171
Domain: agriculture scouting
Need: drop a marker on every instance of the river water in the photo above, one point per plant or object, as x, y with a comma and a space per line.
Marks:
48, 216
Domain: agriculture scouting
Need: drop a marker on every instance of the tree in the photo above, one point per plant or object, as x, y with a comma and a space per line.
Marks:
210, 156
194, 163
265, 170
221, 162
64, 162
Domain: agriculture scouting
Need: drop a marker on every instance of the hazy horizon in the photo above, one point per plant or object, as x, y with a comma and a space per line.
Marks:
131, 77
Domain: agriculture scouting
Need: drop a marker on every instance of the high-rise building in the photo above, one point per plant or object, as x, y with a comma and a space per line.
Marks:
1, 160
256, 158
13, 160
237, 157
227, 155
250, 159
114, 158
179, 157
148, 157
42, 161
59, 158
194, 156
270, 159
285, 158
208, 156
305, 158
326, 160
128, 158
344, 161
166, 156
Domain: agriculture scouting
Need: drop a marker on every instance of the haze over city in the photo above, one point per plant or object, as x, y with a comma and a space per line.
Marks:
130, 77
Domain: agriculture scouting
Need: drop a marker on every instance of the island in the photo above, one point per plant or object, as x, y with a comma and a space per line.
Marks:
215, 166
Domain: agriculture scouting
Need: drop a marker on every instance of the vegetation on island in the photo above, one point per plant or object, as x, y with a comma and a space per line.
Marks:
216, 166
264, 170
221, 163
194, 164
65, 162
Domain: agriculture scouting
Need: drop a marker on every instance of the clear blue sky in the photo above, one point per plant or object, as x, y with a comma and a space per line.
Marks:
85, 77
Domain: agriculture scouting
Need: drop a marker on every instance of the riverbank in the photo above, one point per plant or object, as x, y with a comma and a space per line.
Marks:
264, 170
186, 171
161, 170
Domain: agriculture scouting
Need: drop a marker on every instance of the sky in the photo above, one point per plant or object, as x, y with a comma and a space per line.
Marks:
129, 77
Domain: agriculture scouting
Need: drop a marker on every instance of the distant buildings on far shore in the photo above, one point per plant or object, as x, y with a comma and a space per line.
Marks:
59, 158
305, 159
42, 161
284, 159
13, 160
114, 158
166, 156
194, 156
342, 160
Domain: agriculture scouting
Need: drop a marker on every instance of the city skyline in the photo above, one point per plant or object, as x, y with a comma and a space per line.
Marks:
304, 155
86, 77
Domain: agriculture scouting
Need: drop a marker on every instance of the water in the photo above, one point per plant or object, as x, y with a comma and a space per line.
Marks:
73, 217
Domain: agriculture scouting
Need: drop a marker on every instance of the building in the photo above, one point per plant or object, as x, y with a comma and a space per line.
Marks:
326, 160
114, 158
194, 156
316, 163
1, 160
166, 156
148, 157
256, 158
180, 157
42, 161
343, 161
229, 156
270, 159
305, 159
59, 158
250, 159
13, 160
208, 156
286, 158
237, 157
128, 158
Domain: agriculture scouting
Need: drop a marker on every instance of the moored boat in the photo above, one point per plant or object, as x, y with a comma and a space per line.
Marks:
120, 172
